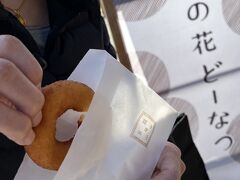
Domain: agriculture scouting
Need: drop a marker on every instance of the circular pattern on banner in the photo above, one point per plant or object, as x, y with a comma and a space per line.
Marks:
184, 106
135, 10
155, 72
157, 77
231, 13
234, 132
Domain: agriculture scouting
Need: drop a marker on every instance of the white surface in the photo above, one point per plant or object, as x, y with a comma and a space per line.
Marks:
104, 139
110, 152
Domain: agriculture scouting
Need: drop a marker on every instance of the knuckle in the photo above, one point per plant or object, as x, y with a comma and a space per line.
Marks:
37, 73
7, 70
37, 104
7, 44
10, 44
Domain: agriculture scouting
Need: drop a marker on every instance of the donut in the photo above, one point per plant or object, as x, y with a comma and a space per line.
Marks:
60, 96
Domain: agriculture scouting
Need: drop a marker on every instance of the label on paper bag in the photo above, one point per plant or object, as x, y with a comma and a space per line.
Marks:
143, 129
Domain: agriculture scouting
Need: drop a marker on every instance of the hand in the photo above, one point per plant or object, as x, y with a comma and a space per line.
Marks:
21, 99
170, 165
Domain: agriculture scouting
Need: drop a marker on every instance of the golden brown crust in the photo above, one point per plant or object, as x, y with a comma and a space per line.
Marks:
60, 96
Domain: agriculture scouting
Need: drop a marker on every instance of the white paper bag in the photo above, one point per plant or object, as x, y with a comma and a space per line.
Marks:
124, 131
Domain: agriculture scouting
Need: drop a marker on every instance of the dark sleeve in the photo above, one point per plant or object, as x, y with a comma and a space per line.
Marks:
181, 136
11, 156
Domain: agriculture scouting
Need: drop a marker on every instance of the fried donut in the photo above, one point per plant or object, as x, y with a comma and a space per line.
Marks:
60, 96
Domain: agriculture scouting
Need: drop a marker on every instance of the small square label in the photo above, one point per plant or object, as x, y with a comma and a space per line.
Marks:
143, 129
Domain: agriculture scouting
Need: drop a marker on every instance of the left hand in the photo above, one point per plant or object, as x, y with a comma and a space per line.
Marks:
170, 166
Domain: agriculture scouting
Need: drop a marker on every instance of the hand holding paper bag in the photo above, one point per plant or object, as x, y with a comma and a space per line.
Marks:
127, 124
170, 165
131, 124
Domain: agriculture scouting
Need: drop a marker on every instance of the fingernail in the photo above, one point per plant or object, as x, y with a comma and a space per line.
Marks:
29, 138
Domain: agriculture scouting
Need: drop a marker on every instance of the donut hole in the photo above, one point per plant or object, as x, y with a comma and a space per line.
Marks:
67, 125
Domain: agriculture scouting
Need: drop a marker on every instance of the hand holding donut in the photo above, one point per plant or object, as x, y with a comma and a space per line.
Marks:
21, 99
21, 103
46, 151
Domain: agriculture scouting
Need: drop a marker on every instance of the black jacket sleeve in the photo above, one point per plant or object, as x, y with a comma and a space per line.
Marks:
181, 136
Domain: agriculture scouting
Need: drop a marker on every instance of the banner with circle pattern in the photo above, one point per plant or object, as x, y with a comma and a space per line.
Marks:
189, 51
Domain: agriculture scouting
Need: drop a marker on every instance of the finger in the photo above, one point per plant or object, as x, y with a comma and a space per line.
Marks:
15, 125
19, 90
170, 164
166, 175
37, 119
21, 57
28, 139
170, 147
171, 171
7, 102
183, 167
